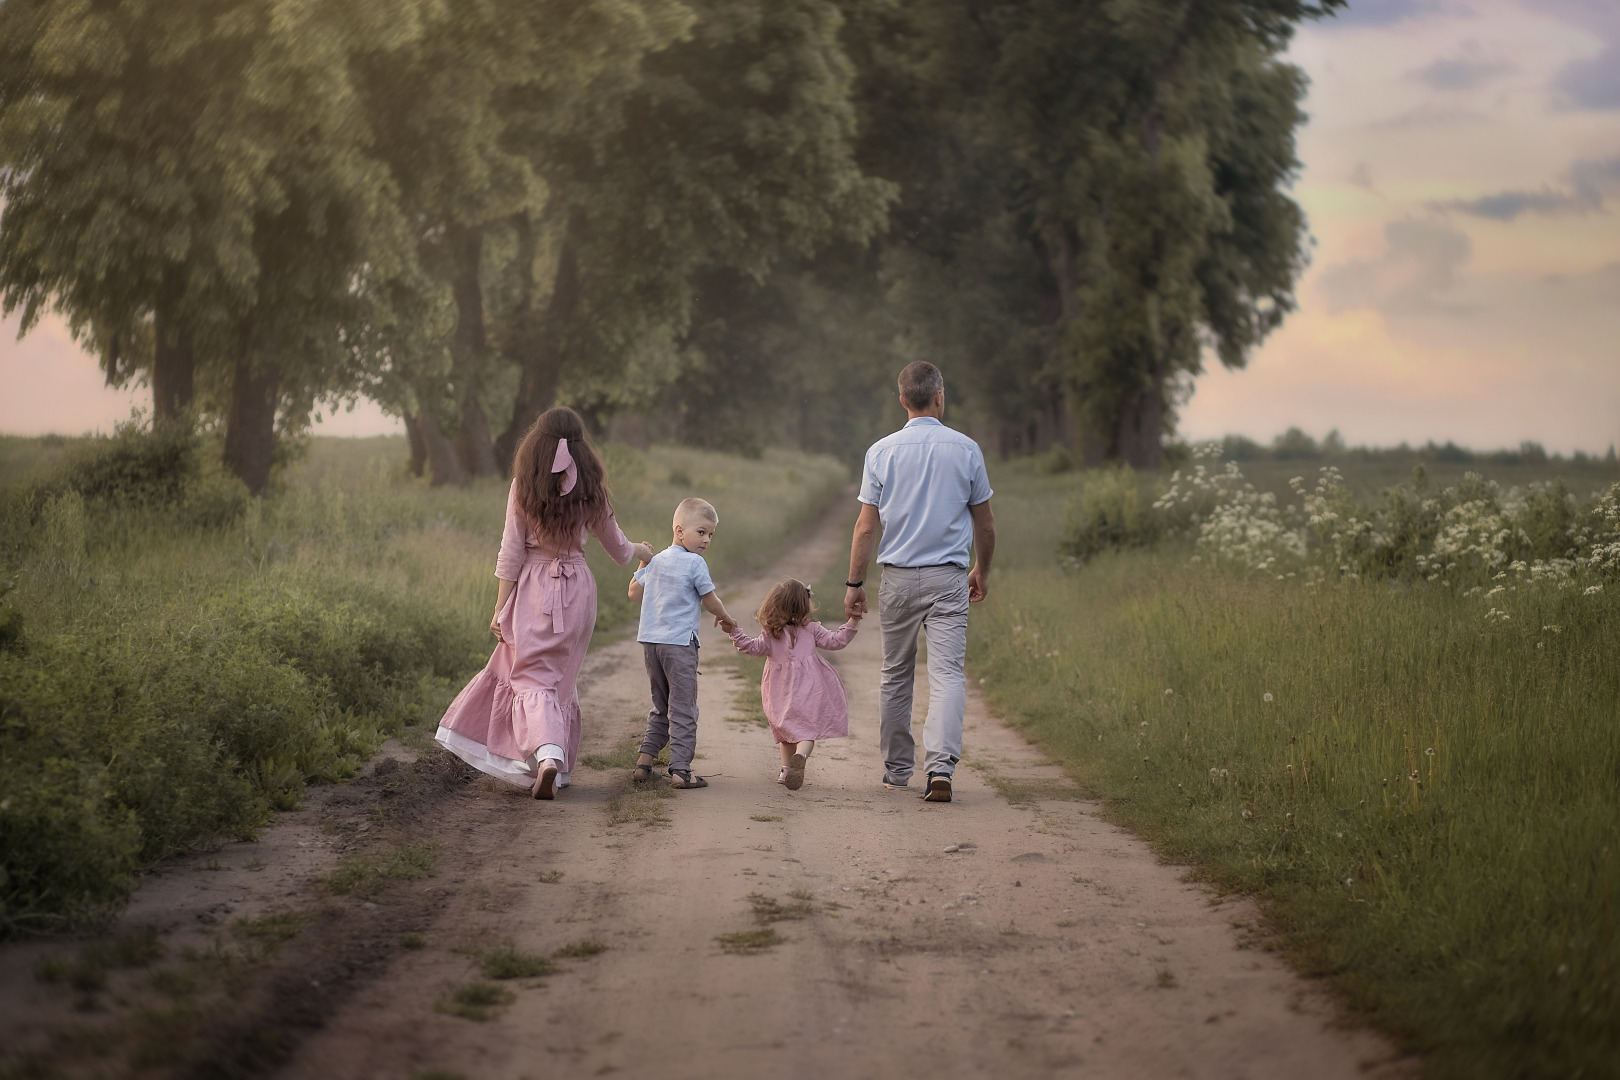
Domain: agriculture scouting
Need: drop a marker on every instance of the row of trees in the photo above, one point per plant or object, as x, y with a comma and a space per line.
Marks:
732, 218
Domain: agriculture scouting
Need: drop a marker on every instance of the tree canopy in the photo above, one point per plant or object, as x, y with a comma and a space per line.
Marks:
732, 219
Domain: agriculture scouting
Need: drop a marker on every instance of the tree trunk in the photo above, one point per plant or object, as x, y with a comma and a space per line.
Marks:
539, 344
413, 436
474, 443
1141, 429
444, 463
469, 346
173, 364
250, 421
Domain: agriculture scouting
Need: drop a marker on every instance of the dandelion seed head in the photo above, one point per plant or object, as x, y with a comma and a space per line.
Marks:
1429, 752
1247, 814
1266, 698
1169, 692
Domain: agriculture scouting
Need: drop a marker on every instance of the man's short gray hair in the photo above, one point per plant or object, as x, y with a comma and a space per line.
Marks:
919, 382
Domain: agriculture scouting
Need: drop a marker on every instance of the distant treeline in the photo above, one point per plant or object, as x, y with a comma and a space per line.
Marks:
1296, 445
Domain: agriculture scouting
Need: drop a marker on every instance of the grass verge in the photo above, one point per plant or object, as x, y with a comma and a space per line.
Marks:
178, 660
1423, 798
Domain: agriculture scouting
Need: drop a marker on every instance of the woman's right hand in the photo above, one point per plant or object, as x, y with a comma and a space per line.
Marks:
495, 627
643, 552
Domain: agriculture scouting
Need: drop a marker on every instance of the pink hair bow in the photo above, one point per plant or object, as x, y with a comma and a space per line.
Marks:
564, 463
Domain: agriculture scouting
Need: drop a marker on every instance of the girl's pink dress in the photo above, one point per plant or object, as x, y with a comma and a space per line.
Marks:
802, 695
527, 695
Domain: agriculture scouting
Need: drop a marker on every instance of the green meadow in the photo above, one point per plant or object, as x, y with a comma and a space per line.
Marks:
1395, 721
178, 660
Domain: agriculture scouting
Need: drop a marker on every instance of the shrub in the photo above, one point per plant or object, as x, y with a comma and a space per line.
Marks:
1109, 513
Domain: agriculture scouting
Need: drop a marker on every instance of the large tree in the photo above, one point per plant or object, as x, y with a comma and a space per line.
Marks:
1093, 198
467, 114
194, 177
733, 149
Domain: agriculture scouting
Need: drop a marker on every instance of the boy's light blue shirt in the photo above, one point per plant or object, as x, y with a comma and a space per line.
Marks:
922, 479
676, 581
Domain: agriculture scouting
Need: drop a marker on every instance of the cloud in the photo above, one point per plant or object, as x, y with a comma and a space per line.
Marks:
1593, 83
1430, 115
1462, 72
1587, 186
1380, 12
1420, 262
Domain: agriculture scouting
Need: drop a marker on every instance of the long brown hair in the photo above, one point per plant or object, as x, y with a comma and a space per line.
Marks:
540, 500
789, 603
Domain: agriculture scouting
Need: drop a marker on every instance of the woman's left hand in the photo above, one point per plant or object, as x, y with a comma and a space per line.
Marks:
643, 552
495, 627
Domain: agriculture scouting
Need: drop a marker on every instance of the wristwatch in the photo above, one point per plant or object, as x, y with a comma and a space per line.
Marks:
854, 584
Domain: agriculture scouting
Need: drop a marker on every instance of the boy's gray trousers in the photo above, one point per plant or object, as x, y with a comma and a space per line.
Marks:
934, 601
672, 671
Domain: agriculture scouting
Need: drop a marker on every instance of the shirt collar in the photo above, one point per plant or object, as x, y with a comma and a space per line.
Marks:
923, 420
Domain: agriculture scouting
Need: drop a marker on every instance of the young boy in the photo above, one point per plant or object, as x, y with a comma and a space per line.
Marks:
674, 589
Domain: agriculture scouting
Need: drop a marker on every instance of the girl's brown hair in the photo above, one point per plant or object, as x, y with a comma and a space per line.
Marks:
787, 604
548, 512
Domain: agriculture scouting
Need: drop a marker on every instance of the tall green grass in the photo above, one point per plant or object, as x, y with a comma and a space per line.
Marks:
1426, 804
178, 660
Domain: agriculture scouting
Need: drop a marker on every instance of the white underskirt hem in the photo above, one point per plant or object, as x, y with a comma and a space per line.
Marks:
517, 773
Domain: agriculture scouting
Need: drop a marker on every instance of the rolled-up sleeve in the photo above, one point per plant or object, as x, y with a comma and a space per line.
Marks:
509, 561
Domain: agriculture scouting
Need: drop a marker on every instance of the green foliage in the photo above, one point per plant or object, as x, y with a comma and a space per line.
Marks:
1422, 795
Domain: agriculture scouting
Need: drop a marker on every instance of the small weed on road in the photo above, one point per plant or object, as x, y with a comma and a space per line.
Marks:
748, 942
475, 1001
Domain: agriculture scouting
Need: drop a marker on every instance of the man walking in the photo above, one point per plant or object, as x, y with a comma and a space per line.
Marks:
925, 490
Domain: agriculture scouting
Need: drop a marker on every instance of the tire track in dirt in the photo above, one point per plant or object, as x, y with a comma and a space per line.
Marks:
1010, 933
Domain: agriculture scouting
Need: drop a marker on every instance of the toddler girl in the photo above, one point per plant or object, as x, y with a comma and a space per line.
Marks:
804, 701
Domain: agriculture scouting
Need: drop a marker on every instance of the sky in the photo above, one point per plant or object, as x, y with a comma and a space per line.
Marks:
1462, 180
1461, 175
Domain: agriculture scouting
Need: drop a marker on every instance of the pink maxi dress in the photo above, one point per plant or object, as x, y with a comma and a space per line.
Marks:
528, 694
802, 695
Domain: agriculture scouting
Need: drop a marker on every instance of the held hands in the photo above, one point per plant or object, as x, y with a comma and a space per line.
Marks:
726, 625
854, 603
643, 552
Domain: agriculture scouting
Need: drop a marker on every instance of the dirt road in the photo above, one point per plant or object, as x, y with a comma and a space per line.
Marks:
979, 938
842, 930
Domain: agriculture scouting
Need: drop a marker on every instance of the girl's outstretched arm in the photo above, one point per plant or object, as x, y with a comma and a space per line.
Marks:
833, 640
750, 646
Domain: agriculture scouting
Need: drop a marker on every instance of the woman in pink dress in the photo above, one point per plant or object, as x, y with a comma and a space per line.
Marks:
518, 720
804, 701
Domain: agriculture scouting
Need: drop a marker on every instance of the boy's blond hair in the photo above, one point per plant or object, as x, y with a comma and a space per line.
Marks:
695, 508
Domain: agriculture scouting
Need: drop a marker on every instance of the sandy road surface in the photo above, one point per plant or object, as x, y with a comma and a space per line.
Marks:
986, 937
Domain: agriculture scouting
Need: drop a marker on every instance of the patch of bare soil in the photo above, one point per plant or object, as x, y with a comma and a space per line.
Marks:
842, 930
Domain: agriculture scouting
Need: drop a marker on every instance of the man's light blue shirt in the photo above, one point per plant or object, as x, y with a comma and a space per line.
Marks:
922, 479
676, 581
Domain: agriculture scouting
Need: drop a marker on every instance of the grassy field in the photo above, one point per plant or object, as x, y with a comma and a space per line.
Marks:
177, 660
1420, 780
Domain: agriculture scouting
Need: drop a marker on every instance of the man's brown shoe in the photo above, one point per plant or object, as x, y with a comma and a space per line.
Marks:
939, 788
